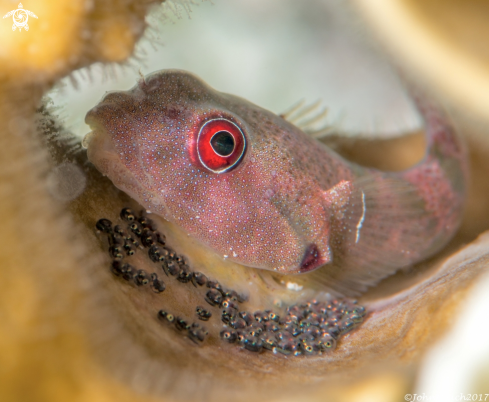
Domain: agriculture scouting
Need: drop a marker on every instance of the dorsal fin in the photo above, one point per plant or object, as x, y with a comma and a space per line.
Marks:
309, 118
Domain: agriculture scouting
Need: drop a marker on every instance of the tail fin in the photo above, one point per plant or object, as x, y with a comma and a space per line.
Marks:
398, 219
441, 178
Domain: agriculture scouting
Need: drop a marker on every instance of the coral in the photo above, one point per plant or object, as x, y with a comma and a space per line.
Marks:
58, 296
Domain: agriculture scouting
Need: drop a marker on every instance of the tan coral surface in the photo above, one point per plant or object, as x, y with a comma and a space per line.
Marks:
55, 306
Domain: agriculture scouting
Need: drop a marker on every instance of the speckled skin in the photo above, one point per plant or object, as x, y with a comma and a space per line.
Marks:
291, 204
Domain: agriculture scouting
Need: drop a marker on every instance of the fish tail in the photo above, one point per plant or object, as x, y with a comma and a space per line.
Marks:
395, 220
441, 178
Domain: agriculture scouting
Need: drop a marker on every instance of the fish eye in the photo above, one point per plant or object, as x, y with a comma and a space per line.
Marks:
223, 143
220, 145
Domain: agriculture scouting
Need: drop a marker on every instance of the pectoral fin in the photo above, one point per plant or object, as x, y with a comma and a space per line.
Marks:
378, 225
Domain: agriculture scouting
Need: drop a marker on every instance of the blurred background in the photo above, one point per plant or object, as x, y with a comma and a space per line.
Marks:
274, 53
349, 55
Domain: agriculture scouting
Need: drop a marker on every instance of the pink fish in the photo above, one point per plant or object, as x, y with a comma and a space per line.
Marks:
259, 191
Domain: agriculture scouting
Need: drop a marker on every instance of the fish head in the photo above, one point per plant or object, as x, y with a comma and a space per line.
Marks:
211, 163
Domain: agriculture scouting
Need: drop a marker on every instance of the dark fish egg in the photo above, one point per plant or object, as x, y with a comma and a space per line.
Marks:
346, 325
271, 326
254, 331
261, 316
203, 314
120, 231
133, 241
215, 285
161, 239
157, 284
116, 239
197, 333
284, 336
155, 254
172, 268
293, 329
253, 344
184, 275
148, 237
228, 303
312, 331
181, 324
286, 347
309, 348
356, 318
247, 317
141, 278
240, 337
237, 323
104, 225
116, 252
136, 228
198, 279
213, 297
127, 215
228, 336
128, 271
146, 222
326, 342
268, 340
228, 315
116, 267
305, 338
273, 316
165, 316
129, 247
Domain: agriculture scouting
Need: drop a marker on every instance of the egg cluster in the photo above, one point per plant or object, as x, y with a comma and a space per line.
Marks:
309, 328
139, 233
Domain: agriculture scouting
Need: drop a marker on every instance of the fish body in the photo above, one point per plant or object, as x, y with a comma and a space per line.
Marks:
259, 191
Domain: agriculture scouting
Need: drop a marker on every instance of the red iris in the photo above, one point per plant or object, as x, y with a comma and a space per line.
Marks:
220, 145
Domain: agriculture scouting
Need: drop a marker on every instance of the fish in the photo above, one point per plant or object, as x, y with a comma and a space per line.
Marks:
257, 190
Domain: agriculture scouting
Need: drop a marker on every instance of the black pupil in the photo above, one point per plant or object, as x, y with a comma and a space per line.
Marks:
223, 143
